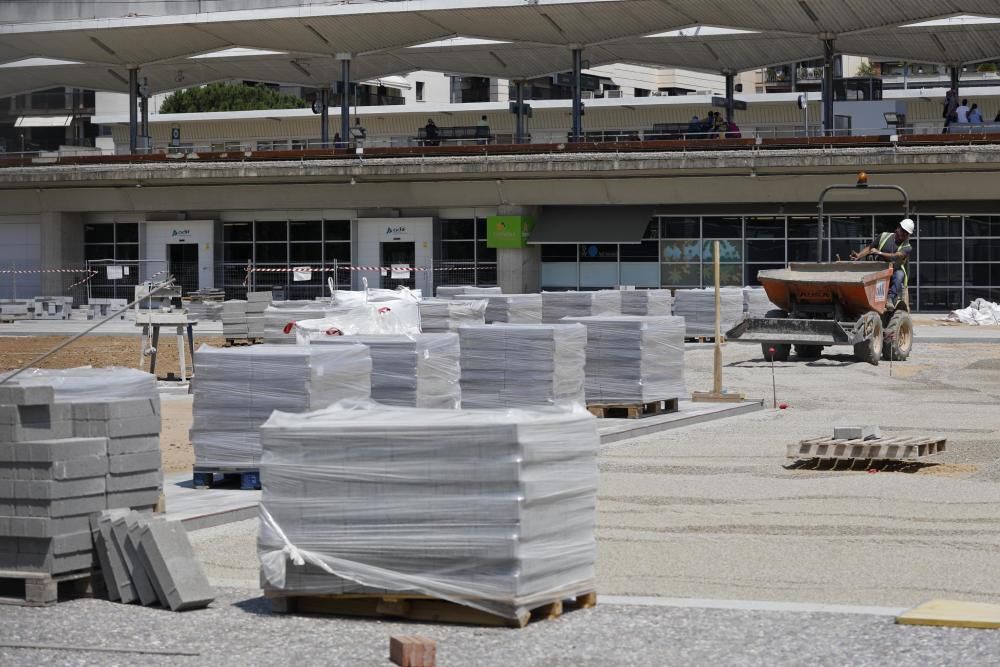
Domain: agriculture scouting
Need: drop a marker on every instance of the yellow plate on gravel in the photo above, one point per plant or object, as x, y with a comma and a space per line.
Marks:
954, 614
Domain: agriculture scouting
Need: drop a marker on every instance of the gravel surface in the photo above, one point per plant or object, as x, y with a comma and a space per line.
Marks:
239, 629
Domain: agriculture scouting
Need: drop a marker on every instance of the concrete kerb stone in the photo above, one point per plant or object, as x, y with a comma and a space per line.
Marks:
169, 552
103, 558
15, 394
135, 462
136, 524
118, 571
140, 578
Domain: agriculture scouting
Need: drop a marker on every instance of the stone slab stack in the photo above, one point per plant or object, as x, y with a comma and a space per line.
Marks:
633, 360
514, 309
452, 291
756, 303
557, 305
647, 302
443, 315
257, 303
236, 389
280, 317
420, 371
14, 310
522, 365
234, 320
487, 508
697, 307
102, 307
51, 307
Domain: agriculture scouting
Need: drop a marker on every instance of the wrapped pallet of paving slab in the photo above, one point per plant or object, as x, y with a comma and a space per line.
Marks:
697, 307
756, 303
460, 291
419, 370
492, 509
514, 309
236, 389
557, 305
280, 318
633, 360
443, 315
522, 365
83, 384
647, 302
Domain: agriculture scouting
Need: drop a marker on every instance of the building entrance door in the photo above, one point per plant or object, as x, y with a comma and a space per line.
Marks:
399, 253
182, 258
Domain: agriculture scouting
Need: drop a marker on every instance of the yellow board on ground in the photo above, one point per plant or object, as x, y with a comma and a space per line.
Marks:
954, 614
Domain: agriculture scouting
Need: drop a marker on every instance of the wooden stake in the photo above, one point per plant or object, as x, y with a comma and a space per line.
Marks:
717, 395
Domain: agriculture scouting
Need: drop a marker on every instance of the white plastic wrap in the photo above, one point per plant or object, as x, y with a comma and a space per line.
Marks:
451, 291
86, 384
522, 365
755, 302
397, 316
980, 312
280, 318
442, 315
490, 509
557, 305
236, 389
404, 293
514, 309
697, 307
633, 360
419, 371
648, 302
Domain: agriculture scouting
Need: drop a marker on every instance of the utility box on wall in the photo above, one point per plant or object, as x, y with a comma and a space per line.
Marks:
508, 231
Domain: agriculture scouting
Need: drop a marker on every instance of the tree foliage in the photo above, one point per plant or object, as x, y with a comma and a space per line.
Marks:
228, 97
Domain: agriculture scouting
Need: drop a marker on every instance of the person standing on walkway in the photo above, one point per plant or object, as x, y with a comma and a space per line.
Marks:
962, 112
975, 115
950, 104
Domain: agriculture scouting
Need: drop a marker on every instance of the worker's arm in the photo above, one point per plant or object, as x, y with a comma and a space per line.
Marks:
864, 252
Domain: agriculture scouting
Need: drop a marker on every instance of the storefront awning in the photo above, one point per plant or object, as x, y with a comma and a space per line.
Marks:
589, 224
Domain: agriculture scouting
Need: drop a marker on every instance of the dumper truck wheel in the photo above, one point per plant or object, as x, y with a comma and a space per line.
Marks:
781, 350
808, 351
898, 337
870, 349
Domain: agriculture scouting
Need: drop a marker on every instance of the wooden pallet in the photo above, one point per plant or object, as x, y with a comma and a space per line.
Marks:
703, 339
242, 342
876, 449
40, 589
415, 608
635, 411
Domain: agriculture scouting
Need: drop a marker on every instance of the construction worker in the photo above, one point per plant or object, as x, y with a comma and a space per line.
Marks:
893, 247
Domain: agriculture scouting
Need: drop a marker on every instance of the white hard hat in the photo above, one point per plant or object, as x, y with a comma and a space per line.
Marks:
907, 226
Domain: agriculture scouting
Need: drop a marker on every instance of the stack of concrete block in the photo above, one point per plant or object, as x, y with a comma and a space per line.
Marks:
557, 305
51, 307
419, 371
102, 307
443, 315
489, 508
522, 365
205, 311
234, 320
756, 302
647, 302
460, 291
257, 303
80, 314
14, 310
697, 307
280, 317
149, 560
236, 389
633, 360
514, 309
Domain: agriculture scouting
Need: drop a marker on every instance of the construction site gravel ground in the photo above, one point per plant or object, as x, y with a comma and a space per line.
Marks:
714, 510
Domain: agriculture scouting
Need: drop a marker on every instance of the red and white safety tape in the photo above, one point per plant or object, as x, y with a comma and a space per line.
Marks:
22, 271
345, 267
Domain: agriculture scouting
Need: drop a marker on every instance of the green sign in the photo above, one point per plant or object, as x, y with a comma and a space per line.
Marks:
508, 231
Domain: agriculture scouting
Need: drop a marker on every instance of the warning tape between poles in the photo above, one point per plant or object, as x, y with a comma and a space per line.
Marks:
327, 269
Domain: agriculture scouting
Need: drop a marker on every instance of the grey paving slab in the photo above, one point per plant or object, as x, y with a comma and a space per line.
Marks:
688, 414
173, 565
117, 574
140, 579
136, 526
204, 508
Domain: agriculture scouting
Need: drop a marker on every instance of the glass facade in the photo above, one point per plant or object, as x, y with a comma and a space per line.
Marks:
956, 258
462, 245
112, 243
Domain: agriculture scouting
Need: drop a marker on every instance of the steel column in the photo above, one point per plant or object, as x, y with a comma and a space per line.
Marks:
324, 118
144, 104
828, 54
956, 72
730, 95
577, 94
519, 133
133, 110
345, 100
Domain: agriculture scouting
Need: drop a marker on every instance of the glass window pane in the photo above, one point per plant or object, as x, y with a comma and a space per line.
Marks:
337, 230
982, 225
307, 252
939, 275
127, 251
752, 270
730, 275
730, 250
558, 252
982, 293
267, 230
603, 252
458, 229
104, 233
679, 228
886, 223
802, 251
939, 225
306, 230
236, 253
941, 251
766, 250
269, 253
765, 228
481, 228
458, 251
647, 251
851, 226
127, 232
985, 275
680, 251
236, 231
802, 227
338, 252
722, 228
652, 229
680, 275
485, 254
104, 251
982, 250
940, 299
843, 248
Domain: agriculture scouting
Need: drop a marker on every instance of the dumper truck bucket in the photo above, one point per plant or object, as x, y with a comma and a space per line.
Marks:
790, 331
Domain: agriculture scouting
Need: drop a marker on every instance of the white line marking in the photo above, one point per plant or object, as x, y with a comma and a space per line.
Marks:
750, 605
